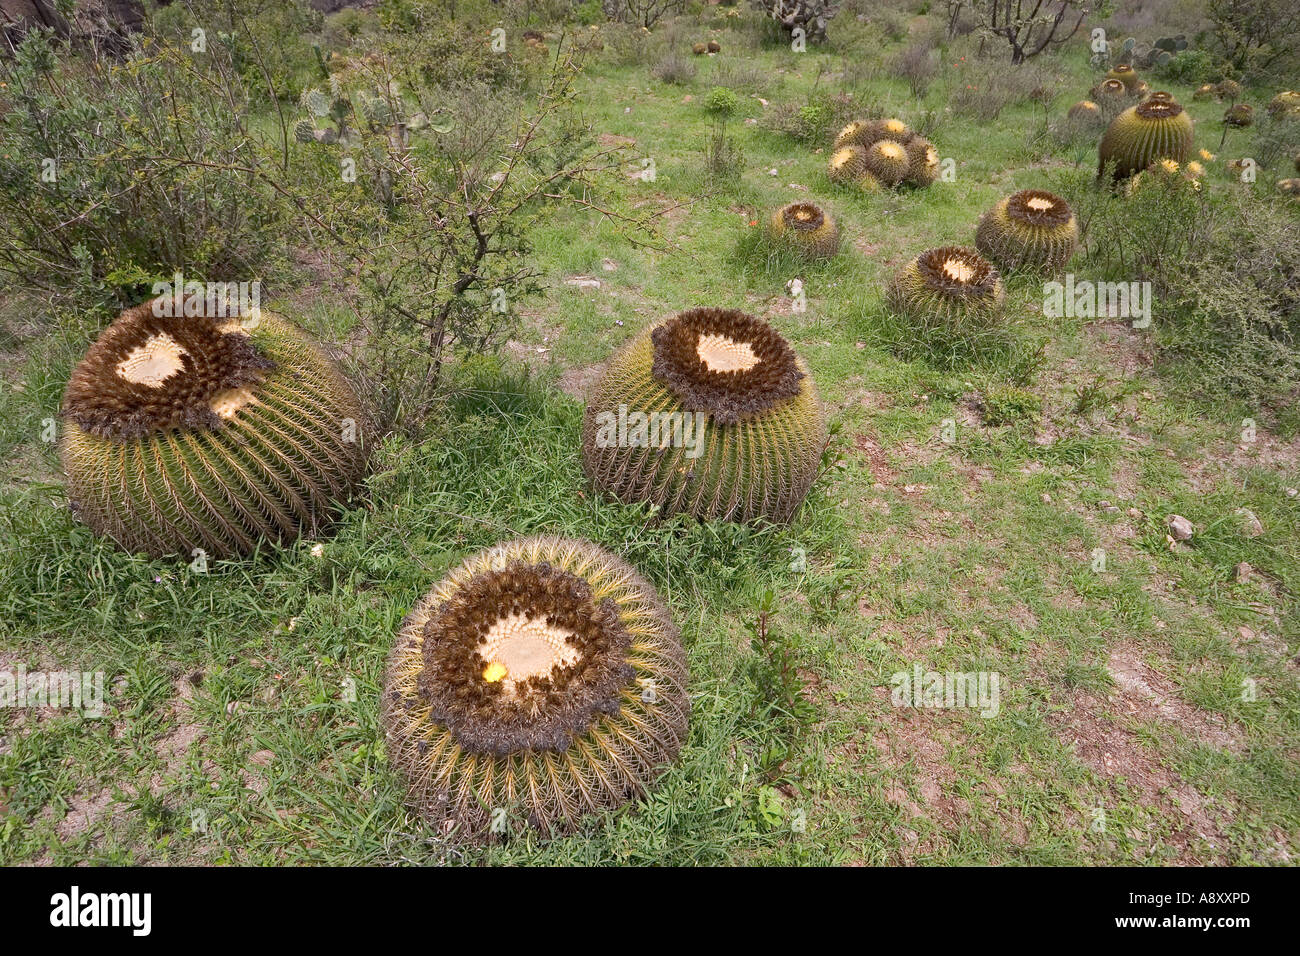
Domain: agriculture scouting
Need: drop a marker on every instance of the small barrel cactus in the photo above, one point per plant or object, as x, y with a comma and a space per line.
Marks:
1084, 114
209, 432
710, 413
922, 161
1128, 76
806, 229
887, 160
1031, 229
1239, 115
847, 164
952, 288
1286, 105
540, 681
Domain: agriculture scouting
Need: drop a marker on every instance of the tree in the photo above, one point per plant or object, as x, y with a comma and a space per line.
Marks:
1031, 26
1254, 35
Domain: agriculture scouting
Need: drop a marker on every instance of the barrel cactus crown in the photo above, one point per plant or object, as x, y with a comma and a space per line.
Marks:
887, 160
806, 229
847, 164
207, 432
1145, 134
1205, 91
1032, 229
539, 681
710, 414
951, 288
1111, 97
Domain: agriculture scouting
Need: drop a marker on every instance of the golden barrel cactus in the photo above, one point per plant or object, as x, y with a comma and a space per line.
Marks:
1145, 134
539, 681
951, 288
710, 413
1286, 105
806, 229
847, 164
887, 161
922, 161
1084, 114
214, 433
1128, 76
1031, 229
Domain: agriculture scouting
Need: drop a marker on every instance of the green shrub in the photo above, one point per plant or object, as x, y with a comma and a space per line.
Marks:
1192, 67
722, 101
1010, 406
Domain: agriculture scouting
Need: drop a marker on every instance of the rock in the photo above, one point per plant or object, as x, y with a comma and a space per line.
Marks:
1135, 513
1250, 525
1106, 506
1241, 573
1045, 498
609, 265
1180, 529
1292, 492
583, 282
772, 171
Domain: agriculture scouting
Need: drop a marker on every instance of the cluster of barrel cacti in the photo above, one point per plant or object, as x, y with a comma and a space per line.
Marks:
710, 46
869, 154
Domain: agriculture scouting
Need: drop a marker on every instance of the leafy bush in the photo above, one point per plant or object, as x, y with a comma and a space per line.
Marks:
1231, 326
722, 101
1010, 406
1192, 67
100, 156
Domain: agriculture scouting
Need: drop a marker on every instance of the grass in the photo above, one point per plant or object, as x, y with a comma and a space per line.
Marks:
243, 727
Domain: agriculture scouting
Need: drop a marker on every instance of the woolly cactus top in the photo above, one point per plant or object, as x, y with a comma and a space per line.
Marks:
957, 271
523, 657
149, 373
804, 216
1037, 207
724, 362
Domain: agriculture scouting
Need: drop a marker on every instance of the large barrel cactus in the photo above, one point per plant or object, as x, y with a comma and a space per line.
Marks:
710, 413
805, 229
539, 681
1031, 229
1285, 105
951, 288
212, 433
1144, 134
